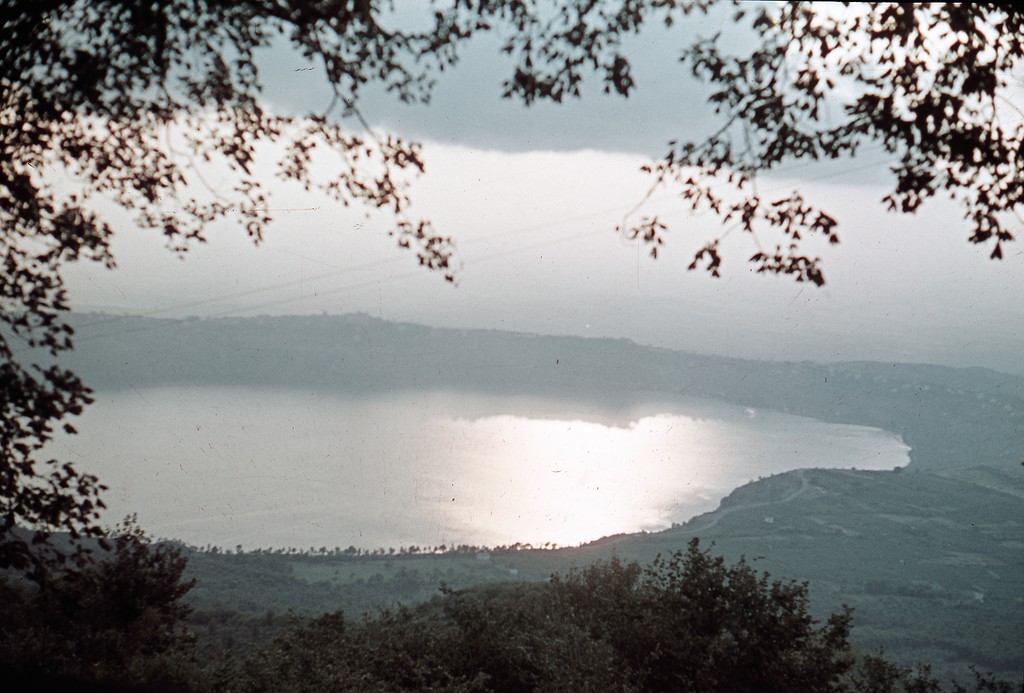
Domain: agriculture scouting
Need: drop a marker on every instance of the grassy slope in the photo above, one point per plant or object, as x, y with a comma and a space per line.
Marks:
932, 564
931, 561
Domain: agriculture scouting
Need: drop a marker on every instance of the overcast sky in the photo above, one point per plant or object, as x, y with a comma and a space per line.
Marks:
532, 197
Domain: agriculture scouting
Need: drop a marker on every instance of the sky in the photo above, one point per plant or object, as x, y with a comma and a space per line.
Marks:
532, 197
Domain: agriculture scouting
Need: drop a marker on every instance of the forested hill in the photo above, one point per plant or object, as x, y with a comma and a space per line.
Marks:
929, 561
948, 416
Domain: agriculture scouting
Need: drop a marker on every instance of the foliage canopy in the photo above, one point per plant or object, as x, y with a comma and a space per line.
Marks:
687, 623
118, 619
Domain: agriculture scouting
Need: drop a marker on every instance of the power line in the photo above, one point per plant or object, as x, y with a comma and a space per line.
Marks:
337, 271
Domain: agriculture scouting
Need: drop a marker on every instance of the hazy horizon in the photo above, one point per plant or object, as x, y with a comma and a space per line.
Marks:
532, 197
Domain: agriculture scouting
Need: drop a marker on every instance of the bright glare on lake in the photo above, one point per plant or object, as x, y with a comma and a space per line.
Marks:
272, 468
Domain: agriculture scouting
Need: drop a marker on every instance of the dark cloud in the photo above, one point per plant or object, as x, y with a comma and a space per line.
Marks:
467, 107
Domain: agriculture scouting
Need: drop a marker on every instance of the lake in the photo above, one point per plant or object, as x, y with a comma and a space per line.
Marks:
277, 468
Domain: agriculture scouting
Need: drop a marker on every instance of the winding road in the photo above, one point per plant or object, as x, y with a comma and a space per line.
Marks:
720, 513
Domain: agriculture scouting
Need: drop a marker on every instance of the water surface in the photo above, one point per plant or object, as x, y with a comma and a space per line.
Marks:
275, 468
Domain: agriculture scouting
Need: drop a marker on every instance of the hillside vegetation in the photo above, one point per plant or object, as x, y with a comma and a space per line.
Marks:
950, 417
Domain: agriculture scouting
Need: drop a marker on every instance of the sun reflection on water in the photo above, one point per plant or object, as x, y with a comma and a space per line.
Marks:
269, 469
567, 482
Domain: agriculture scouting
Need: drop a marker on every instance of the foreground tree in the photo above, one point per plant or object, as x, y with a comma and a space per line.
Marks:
117, 619
95, 89
935, 86
125, 97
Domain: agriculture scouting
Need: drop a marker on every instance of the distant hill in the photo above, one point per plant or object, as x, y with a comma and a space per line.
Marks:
948, 416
